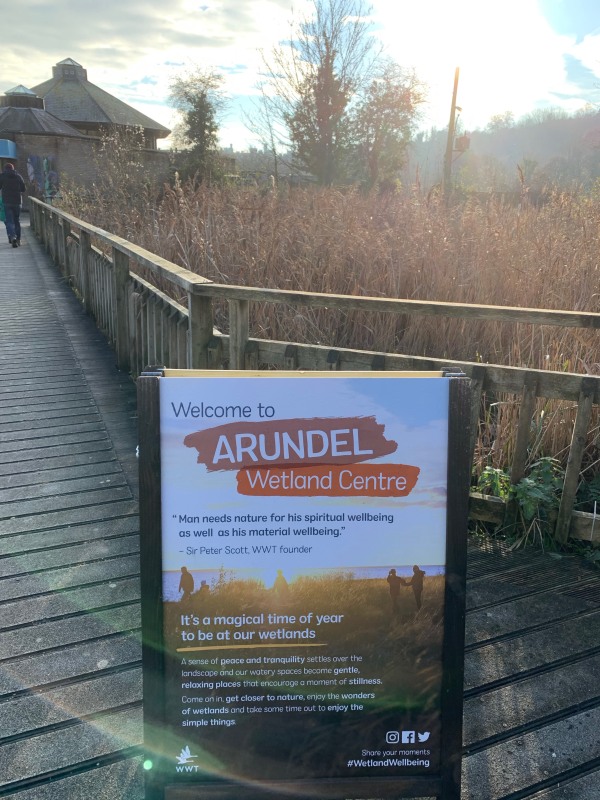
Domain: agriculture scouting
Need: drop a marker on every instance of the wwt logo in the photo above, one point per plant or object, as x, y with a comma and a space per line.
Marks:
184, 759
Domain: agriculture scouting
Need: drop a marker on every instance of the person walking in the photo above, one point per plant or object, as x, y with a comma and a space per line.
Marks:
12, 187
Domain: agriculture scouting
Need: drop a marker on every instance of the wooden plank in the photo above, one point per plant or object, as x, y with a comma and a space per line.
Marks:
426, 308
576, 451
67, 747
200, 330
84, 257
51, 634
537, 754
72, 701
121, 780
121, 279
251, 355
290, 360
157, 265
477, 382
552, 385
182, 342
133, 328
66, 233
30, 542
499, 662
526, 410
510, 708
238, 332
71, 516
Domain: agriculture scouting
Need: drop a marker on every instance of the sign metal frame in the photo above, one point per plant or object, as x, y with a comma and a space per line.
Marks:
444, 784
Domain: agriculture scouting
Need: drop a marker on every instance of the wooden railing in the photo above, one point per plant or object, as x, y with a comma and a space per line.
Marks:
146, 326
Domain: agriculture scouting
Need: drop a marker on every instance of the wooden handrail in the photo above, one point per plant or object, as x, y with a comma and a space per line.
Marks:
147, 326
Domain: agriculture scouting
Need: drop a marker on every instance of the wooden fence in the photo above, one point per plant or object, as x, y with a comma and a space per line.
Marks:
116, 279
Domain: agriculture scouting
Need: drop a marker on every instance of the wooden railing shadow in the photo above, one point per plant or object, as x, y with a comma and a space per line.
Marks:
117, 283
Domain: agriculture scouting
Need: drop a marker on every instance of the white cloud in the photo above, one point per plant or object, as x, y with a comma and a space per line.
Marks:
509, 56
587, 51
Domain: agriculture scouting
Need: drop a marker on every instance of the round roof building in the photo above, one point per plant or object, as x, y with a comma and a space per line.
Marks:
69, 96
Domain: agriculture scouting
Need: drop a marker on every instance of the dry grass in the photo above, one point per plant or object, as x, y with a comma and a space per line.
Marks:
399, 657
396, 245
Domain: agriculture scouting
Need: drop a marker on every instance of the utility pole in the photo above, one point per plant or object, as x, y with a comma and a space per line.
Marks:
447, 180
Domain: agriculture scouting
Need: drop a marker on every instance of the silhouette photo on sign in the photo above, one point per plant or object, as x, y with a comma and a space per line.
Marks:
186, 584
281, 589
394, 582
417, 584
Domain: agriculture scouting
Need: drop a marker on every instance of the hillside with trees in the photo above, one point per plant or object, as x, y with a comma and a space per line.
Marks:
543, 150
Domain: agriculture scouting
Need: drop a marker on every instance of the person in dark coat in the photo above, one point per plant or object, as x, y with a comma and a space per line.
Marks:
417, 584
12, 187
394, 582
186, 584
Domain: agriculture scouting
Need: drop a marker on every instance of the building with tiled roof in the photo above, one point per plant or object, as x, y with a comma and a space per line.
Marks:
69, 96
22, 111
55, 130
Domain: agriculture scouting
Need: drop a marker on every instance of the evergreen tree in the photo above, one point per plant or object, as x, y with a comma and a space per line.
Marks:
199, 99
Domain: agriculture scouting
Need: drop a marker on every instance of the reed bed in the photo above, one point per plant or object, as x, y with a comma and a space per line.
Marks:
405, 245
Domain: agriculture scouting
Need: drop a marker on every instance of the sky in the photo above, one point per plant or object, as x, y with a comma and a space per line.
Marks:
517, 56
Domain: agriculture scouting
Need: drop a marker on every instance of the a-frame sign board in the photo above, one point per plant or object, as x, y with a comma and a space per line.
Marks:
303, 558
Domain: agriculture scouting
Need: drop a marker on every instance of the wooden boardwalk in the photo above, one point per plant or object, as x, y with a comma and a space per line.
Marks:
70, 676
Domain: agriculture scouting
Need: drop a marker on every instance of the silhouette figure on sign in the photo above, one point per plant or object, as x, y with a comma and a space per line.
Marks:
204, 589
394, 582
417, 584
186, 584
281, 589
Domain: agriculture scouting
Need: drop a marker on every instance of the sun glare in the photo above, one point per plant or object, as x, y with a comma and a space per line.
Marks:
508, 55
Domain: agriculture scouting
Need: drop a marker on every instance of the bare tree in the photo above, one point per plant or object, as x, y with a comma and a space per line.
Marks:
311, 80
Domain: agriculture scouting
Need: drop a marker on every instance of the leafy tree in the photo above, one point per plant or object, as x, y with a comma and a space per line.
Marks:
312, 80
318, 125
500, 122
383, 122
199, 99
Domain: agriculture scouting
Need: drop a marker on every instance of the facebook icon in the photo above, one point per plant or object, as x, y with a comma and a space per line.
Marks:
408, 737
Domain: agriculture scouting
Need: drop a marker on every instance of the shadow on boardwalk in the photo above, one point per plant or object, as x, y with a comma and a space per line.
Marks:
70, 678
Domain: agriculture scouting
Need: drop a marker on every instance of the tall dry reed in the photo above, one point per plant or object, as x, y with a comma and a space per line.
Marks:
390, 245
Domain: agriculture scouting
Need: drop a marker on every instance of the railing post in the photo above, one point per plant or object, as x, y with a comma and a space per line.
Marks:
133, 308
290, 357
333, 360
46, 238
251, 356
56, 238
85, 248
121, 279
33, 216
200, 330
524, 427
238, 333
477, 378
580, 430
527, 407
66, 232
172, 340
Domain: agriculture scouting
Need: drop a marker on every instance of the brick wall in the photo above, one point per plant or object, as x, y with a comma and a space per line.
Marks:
72, 158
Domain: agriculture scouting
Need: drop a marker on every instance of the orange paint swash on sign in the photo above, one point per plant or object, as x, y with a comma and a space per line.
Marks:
316, 457
290, 442
329, 480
